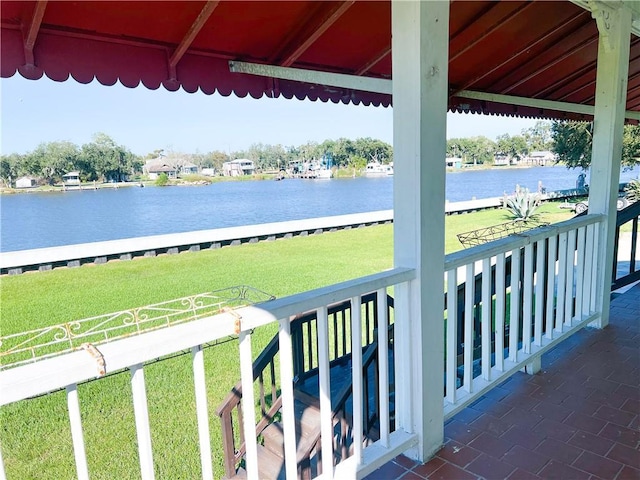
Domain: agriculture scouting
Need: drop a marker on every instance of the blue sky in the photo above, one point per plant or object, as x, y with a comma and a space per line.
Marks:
143, 120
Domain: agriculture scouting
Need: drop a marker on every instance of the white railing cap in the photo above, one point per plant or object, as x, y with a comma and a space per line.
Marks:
480, 252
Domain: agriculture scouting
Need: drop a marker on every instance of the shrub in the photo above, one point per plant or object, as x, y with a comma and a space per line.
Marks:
162, 180
633, 191
523, 204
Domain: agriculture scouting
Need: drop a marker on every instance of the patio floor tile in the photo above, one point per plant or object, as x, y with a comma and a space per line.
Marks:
577, 418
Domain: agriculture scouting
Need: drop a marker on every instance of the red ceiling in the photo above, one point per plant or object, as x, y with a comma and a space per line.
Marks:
540, 49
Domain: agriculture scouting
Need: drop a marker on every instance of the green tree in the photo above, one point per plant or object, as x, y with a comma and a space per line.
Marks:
513, 147
475, 150
538, 137
104, 158
10, 168
573, 143
52, 160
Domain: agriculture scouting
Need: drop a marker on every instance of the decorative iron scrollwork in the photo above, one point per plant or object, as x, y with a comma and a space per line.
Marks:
34, 345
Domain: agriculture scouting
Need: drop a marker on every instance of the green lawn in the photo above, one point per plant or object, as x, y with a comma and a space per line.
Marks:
34, 434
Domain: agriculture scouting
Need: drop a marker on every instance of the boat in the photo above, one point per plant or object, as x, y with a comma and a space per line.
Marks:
377, 169
318, 169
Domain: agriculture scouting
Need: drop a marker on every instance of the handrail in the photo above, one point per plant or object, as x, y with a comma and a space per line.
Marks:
233, 453
630, 213
256, 316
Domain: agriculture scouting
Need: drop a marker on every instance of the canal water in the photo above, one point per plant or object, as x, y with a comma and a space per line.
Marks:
36, 220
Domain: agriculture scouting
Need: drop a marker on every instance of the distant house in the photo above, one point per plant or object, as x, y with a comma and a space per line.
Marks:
188, 169
71, 178
540, 158
502, 160
209, 172
453, 162
156, 170
26, 182
240, 166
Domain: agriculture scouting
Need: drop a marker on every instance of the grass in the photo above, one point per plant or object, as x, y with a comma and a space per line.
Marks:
35, 434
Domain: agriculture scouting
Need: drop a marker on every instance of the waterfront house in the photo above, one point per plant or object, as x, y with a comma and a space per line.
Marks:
556, 60
188, 168
156, 170
238, 167
453, 162
502, 160
71, 178
540, 158
26, 182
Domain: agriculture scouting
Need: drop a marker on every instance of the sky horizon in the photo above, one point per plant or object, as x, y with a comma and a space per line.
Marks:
145, 120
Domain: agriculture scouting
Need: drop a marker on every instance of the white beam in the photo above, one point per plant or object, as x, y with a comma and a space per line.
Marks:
366, 84
420, 39
537, 103
611, 95
384, 86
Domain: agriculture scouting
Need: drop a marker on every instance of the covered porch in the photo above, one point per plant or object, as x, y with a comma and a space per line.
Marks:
516, 302
577, 418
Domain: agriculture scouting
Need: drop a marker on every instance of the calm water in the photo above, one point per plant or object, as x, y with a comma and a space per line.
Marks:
36, 220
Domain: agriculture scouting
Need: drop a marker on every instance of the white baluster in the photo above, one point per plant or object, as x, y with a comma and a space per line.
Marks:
326, 414
202, 411
540, 287
562, 281
469, 294
452, 334
580, 272
486, 319
571, 258
500, 310
383, 365
143, 430
248, 405
527, 298
356, 370
551, 283
514, 314
75, 420
288, 413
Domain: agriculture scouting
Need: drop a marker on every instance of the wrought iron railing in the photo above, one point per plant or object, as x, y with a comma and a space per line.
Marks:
481, 236
25, 347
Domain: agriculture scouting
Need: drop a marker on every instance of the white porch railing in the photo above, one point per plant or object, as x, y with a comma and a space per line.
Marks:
519, 296
511, 300
67, 370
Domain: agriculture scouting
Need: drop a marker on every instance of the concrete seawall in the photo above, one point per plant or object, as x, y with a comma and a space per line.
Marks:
42, 259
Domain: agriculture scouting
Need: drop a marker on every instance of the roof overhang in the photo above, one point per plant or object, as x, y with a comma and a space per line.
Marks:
499, 52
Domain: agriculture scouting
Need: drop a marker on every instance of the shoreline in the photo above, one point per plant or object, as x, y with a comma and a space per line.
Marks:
203, 181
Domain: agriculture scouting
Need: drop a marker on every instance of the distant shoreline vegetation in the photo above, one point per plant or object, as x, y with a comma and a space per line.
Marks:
103, 160
195, 180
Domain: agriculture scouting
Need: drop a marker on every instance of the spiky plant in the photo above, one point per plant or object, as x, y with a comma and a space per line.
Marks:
633, 191
523, 204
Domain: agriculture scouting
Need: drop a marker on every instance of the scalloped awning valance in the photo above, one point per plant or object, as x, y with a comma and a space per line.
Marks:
540, 49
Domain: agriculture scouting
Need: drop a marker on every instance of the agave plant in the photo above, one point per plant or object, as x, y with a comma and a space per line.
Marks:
523, 204
633, 191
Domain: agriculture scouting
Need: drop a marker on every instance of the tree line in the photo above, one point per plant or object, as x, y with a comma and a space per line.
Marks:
103, 159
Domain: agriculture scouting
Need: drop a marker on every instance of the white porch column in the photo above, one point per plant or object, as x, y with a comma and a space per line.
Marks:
614, 26
420, 44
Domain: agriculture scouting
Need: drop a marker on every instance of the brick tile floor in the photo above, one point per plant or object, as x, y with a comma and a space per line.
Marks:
577, 418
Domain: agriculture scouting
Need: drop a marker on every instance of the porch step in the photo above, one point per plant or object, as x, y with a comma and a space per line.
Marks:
270, 466
307, 418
